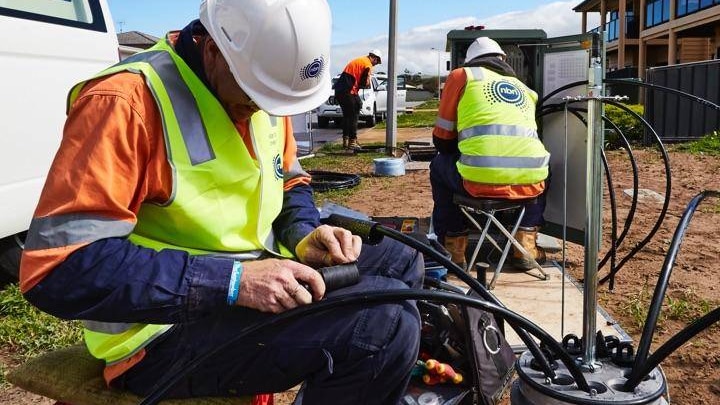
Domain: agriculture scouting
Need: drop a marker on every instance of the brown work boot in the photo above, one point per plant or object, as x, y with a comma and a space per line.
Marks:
345, 142
353, 144
527, 236
457, 245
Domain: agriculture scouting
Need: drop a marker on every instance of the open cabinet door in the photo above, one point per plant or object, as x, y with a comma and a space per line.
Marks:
564, 61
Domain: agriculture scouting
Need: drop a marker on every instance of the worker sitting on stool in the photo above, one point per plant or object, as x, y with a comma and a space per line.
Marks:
488, 146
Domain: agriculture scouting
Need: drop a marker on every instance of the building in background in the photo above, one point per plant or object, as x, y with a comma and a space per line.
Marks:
647, 33
132, 42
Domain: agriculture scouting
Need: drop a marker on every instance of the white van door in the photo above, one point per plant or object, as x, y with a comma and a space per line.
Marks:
48, 46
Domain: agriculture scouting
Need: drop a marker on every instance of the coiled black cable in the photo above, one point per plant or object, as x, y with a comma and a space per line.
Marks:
322, 180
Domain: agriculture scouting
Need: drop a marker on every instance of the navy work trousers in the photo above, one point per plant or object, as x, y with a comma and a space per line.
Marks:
349, 355
446, 215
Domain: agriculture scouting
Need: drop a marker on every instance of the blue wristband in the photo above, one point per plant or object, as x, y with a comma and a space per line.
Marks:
234, 287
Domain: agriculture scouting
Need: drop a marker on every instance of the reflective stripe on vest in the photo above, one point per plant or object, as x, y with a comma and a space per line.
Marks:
223, 201
497, 132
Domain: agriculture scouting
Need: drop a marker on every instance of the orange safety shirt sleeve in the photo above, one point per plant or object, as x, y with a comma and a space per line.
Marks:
446, 122
124, 164
111, 159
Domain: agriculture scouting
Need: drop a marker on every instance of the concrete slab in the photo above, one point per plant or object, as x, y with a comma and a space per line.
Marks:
541, 301
417, 166
549, 243
645, 195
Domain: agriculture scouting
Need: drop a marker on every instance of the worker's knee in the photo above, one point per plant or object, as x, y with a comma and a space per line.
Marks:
394, 260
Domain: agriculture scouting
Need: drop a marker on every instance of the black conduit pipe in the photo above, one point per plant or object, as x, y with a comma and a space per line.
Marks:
613, 216
372, 232
631, 212
365, 298
615, 241
668, 190
663, 280
669, 347
636, 82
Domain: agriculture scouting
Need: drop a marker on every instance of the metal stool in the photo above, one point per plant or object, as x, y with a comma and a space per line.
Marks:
488, 207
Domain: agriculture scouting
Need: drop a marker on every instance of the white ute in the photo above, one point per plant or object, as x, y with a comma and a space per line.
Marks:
374, 103
49, 46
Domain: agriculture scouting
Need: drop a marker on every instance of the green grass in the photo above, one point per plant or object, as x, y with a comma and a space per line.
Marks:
431, 104
707, 145
638, 305
26, 332
418, 118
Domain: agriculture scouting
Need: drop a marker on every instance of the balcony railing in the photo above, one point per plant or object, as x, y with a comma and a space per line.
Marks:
612, 29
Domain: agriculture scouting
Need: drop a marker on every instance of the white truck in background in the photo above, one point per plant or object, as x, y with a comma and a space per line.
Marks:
47, 47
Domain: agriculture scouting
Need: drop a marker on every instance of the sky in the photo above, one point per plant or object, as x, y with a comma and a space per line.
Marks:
361, 25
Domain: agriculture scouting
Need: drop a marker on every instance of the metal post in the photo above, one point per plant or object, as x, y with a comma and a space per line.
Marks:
593, 201
390, 131
438, 70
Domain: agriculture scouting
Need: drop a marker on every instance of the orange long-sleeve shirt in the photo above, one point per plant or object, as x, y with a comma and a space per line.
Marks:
124, 166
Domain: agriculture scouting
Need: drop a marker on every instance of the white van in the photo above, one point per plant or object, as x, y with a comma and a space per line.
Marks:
47, 47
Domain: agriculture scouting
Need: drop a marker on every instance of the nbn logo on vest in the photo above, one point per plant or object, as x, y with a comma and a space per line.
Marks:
508, 92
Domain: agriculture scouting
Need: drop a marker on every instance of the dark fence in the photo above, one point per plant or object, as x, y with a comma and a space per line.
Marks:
677, 118
629, 90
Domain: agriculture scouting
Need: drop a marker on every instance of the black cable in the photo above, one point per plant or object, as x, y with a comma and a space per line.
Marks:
664, 279
631, 212
668, 190
322, 180
669, 347
613, 217
637, 82
365, 298
371, 231
611, 254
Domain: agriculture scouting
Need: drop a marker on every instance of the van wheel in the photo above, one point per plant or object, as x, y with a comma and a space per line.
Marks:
10, 252
323, 122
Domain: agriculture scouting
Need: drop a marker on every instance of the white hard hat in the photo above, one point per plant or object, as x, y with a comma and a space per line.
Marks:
377, 53
278, 50
483, 46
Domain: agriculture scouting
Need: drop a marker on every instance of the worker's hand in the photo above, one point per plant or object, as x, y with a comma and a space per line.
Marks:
328, 245
273, 285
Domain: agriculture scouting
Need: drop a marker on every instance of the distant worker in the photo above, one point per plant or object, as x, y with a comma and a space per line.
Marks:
176, 215
356, 76
486, 136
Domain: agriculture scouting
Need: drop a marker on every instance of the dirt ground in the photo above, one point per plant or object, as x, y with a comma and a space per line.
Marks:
693, 372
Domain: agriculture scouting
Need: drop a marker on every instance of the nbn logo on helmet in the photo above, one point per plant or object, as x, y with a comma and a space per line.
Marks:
508, 92
313, 69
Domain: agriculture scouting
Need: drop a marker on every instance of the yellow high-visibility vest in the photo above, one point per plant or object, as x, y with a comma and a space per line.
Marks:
497, 132
223, 201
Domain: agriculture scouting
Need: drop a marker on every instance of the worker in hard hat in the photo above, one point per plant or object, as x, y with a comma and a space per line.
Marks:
488, 145
176, 214
354, 77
